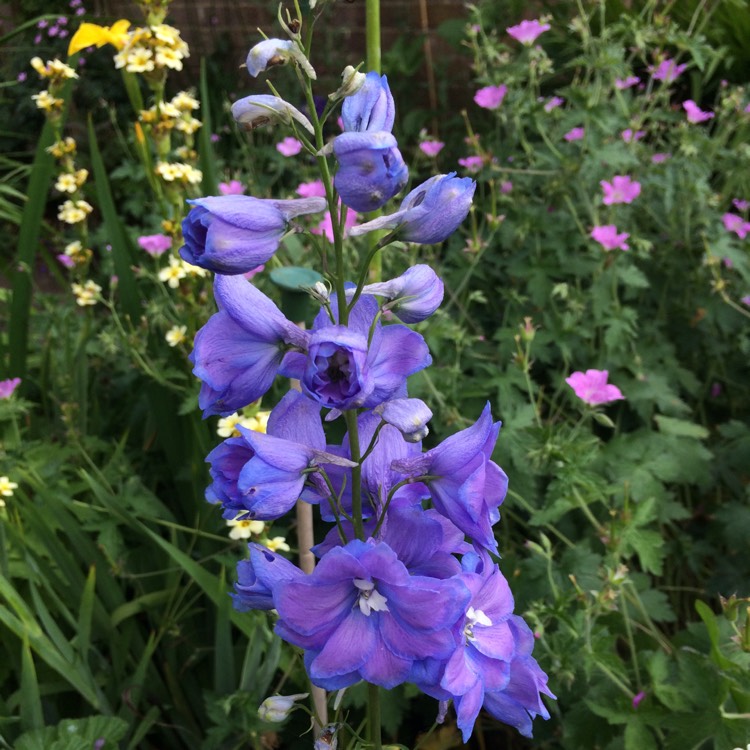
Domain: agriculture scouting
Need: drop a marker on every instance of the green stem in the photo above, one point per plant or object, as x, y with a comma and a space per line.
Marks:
351, 424
373, 716
372, 34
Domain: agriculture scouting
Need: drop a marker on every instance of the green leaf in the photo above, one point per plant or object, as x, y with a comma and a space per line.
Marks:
638, 736
122, 250
206, 156
680, 427
31, 700
76, 734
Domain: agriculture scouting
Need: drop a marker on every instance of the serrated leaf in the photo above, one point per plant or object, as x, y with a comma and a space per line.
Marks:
680, 427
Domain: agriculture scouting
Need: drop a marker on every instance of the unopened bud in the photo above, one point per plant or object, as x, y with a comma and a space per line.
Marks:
276, 708
351, 82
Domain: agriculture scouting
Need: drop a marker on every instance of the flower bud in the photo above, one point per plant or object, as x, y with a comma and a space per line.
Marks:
351, 82
371, 109
263, 109
276, 708
271, 52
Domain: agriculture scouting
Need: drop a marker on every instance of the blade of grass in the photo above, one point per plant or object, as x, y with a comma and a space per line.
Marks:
207, 160
85, 615
122, 251
224, 676
31, 699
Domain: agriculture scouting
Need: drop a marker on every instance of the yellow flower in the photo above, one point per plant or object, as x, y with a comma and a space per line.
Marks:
91, 33
245, 528
168, 58
53, 69
277, 544
184, 101
139, 60
72, 212
86, 294
66, 183
44, 100
178, 171
173, 273
62, 148
176, 335
76, 251
227, 426
188, 125
6, 489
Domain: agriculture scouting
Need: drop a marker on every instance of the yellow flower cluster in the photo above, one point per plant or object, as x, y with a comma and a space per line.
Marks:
178, 172
55, 69
86, 294
178, 270
47, 102
152, 48
175, 114
72, 212
69, 182
77, 253
62, 148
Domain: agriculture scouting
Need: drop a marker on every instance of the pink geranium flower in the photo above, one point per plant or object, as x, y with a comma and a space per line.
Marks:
289, 146
629, 135
8, 386
553, 102
233, 187
431, 148
736, 224
746, 300
592, 387
740, 204
626, 83
249, 274
526, 32
65, 260
667, 71
506, 186
694, 113
607, 236
659, 158
491, 97
637, 698
621, 190
472, 163
326, 226
576, 134
155, 244
314, 189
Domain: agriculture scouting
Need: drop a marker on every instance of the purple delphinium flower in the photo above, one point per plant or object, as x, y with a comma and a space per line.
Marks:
553, 102
694, 113
520, 701
430, 213
626, 83
491, 97
466, 486
667, 70
8, 386
622, 189
576, 134
259, 576
371, 169
607, 236
289, 146
233, 187
526, 32
361, 616
266, 53
736, 224
362, 364
472, 163
155, 244
371, 108
431, 148
592, 387
233, 234
240, 349
413, 296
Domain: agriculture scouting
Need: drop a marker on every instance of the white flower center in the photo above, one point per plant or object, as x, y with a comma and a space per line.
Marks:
369, 598
475, 617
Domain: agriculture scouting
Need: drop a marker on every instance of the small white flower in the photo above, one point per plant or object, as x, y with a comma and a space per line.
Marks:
176, 335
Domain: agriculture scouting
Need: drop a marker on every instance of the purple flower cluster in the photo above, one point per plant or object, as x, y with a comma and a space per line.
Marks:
405, 588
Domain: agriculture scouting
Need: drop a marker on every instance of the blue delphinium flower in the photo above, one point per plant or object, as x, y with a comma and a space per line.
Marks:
362, 364
258, 576
360, 615
430, 213
264, 109
466, 485
371, 169
371, 108
234, 234
241, 348
413, 296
